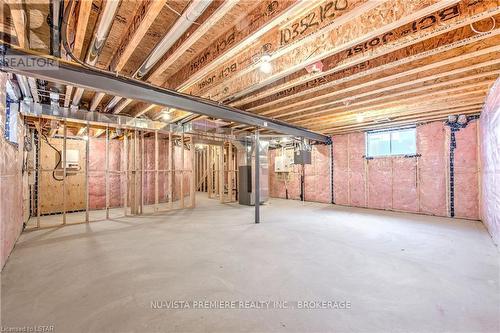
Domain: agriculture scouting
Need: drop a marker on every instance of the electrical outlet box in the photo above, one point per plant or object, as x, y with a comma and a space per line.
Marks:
72, 160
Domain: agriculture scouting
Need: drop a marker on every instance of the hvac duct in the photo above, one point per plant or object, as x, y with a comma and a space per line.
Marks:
23, 84
246, 174
195, 9
13, 90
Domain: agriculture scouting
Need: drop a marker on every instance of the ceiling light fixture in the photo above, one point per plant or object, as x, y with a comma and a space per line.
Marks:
265, 63
360, 117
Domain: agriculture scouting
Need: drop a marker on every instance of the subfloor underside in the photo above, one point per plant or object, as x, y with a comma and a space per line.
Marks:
393, 271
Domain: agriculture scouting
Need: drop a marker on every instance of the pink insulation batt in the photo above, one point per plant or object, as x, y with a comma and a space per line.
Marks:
416, 184
97, 175
433, 165
380, 183
340, 170
466, 173
490, 162
356, 145
404, 184
317, 175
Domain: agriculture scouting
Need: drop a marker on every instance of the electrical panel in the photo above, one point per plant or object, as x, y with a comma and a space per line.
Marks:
302, 157
284, 161
72, 160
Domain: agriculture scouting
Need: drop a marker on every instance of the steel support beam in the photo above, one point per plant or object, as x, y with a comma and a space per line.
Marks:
257, 177
69, 73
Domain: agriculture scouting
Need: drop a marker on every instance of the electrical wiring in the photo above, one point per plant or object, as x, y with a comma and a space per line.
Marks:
58, 161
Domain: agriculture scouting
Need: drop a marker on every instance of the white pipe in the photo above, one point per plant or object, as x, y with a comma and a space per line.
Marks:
98, 40
195, 9
102, 31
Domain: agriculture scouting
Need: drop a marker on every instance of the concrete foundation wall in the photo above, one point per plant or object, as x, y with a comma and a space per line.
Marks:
11, 183
316, 177
490, 162
410, 184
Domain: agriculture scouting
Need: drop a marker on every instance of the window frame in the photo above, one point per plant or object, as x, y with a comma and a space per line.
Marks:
390, 130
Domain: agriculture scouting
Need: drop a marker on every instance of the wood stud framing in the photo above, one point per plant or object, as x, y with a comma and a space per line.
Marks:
132, 175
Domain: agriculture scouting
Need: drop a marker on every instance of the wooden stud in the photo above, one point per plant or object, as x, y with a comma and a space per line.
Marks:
348, 36
126, 166
87, 154
221, 174
479, 170
182, 169
458, 43
142, 155
348, 171
210, 171
170, 171
64, 150
192, 191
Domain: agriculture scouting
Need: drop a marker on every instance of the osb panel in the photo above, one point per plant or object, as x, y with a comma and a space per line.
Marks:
344, 84
11, 197
490, 162
163, 22
94, 15
121, 23
343, 66
51, 190
258, 17
297, 34
235, 14
324, 45
39, 30
7, 29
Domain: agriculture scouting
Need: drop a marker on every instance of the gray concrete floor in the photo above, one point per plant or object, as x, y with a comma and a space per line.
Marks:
400, 272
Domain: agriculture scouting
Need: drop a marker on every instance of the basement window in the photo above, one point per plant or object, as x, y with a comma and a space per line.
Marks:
392, 142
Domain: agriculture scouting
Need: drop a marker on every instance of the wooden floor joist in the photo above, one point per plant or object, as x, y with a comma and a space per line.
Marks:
332, 62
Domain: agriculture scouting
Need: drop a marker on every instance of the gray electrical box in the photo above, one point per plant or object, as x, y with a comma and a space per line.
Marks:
302, 157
